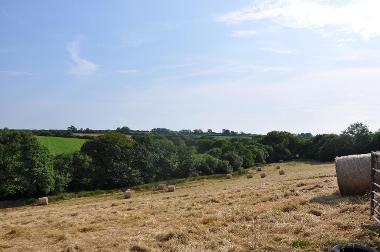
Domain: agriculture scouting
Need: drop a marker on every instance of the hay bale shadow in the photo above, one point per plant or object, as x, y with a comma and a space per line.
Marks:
336, 199
17, 203
314, 162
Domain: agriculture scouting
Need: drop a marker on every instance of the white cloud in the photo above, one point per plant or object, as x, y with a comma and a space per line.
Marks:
243, 33
226, 68
127, 71
277, 50
354, 17
80, 66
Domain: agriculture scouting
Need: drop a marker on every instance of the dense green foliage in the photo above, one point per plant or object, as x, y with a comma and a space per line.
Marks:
115, 160
25, 166
61, 145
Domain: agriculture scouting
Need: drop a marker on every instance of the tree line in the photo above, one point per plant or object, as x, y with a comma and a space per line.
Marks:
88, 133
117, 160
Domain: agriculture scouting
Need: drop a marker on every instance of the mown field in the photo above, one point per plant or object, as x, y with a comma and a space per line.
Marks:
61, 145
299, 211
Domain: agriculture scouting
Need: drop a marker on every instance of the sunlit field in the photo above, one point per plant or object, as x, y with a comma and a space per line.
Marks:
61, 145
299, 211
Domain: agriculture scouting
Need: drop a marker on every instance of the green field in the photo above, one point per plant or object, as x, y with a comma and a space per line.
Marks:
60, 145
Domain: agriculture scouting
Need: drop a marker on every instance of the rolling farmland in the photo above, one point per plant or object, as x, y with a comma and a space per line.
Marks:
299, 211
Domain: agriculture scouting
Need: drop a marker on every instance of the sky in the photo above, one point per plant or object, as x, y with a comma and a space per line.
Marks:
252, 66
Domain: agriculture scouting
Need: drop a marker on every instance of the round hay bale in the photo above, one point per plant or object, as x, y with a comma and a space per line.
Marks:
249, 175
43, 201
352, 247
278, 167
171, 188
281, 172
127, 194
258, 168
353, 174
229, 176
161, 186
263, 175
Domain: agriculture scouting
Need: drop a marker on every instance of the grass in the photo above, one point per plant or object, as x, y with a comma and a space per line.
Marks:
301, 211
300, 244
61, 145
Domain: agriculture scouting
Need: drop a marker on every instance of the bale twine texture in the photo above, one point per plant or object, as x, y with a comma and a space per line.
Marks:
353, 174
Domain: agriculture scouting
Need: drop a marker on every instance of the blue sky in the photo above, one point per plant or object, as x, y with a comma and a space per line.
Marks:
253, 66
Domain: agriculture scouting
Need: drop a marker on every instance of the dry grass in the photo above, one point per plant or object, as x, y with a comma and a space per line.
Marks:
298, 212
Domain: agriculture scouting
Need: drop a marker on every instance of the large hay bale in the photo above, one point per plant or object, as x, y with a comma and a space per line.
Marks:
353, 174
229, 176
249, 175
43, 201
258, 168
171, 188
128, 194
263, 175
281, 172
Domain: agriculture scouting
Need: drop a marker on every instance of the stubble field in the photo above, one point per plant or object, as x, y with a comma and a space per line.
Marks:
299, 211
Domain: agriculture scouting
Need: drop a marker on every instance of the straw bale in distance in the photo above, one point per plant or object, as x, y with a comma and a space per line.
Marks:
161, 186
43, 201
127, 194
171, 188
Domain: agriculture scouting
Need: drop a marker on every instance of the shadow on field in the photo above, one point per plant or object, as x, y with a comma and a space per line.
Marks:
336, 199
57, 197
16, 203
313, 162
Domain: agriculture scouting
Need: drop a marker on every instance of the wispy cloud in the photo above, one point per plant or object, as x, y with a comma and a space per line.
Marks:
15, 73
358, 17
243, 33
80, 66
277, 50
226, 68
127, 71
